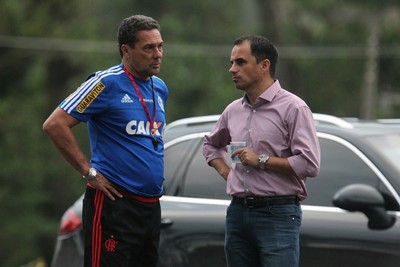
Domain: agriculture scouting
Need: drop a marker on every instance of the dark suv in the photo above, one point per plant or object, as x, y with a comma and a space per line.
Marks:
349, 219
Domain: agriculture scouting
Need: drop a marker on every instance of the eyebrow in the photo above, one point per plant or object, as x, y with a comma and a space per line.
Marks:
238, 59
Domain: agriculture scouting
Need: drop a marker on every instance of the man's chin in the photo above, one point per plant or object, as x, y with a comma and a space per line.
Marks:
239, 86
155, 71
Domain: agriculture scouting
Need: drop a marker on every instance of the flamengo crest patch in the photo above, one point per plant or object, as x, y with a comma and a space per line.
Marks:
111, 244
90, 97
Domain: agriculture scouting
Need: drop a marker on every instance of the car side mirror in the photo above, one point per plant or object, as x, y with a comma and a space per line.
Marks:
365, 199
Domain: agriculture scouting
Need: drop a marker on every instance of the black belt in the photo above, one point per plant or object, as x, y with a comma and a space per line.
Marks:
258, 202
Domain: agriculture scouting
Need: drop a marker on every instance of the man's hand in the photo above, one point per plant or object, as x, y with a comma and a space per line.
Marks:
102, 184
250, 158
246, 156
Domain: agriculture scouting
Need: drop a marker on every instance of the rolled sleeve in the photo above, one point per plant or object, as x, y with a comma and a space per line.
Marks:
303, 167
305, 147
211, 152
215, 142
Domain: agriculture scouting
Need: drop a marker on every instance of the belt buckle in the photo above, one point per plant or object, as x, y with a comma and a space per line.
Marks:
247, 204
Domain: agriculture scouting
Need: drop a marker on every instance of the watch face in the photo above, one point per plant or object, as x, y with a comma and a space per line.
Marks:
92, 173
262, 159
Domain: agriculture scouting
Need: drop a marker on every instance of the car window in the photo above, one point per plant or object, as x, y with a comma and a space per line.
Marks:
202, 180
389, 147
340, 166
188, 174
176, 158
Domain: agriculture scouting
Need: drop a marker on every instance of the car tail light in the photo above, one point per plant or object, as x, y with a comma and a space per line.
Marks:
70, 222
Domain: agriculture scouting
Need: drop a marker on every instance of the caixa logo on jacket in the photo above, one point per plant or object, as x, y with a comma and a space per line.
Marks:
143, 127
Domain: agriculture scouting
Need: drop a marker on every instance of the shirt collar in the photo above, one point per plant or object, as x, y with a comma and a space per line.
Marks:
268, 94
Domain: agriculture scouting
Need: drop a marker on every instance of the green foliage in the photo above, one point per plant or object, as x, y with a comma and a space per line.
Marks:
23, 195
322, 45
197, 93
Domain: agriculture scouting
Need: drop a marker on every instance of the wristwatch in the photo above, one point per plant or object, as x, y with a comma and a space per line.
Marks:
262, 160
92, 173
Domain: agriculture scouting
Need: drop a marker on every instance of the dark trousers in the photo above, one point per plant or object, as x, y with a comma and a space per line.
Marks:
263, 236
123, 233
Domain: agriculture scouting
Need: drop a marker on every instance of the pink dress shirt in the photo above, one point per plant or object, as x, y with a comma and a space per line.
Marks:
279, 124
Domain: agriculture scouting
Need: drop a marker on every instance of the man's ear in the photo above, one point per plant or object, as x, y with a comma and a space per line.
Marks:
266, 64
124, 49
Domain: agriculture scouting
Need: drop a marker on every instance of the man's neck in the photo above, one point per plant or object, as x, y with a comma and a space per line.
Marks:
255, 92
134, 72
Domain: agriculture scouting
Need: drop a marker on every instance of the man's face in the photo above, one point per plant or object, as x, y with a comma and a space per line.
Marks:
144, 59
244, 68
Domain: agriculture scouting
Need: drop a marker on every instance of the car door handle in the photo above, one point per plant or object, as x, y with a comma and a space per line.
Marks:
165, 222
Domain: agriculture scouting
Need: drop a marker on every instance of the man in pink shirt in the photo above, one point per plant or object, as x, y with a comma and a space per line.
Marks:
282, 150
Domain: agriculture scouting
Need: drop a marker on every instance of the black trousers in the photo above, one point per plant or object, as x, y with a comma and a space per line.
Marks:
121, 233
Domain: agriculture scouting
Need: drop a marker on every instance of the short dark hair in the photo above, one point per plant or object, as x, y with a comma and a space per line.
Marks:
129, 27
261, 48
